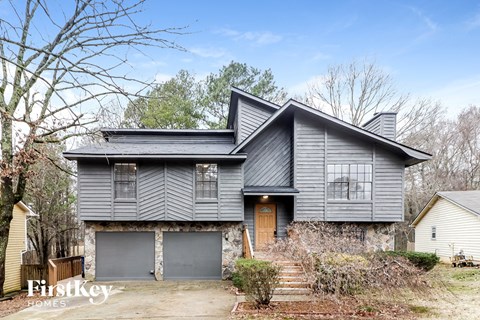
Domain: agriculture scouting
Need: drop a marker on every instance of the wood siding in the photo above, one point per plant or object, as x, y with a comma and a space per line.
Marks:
16, 243
151, 192
165, 191
95, 191
316, 146
457, 229
230, 192
309, 168
384, 124
269, 159
388, 186
250, 117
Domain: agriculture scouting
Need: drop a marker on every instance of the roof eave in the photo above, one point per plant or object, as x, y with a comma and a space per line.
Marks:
78, 156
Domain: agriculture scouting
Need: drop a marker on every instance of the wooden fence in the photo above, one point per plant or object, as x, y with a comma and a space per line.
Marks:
63, 268
30, 272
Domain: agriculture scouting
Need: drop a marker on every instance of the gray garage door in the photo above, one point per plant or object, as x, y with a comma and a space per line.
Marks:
125, 255
192, 255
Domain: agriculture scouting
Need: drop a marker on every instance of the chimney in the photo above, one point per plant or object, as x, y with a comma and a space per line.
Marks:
383, 124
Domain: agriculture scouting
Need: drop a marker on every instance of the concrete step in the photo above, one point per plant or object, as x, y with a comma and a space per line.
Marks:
291, 291
291, 273
288, 263
292, 284
289, 278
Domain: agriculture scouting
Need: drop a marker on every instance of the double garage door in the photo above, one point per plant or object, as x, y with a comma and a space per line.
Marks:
131, 255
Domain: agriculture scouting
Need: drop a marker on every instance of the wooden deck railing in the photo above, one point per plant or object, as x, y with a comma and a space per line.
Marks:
247, 244
63, 268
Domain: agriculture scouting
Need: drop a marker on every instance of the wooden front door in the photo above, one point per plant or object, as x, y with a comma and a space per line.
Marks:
265, 224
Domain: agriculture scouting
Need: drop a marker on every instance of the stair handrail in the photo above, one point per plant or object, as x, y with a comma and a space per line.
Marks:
247, 244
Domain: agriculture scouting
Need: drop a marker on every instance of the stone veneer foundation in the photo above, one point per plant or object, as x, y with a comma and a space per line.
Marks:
231, 240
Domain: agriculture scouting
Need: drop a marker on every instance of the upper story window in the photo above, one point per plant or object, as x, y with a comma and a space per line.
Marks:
125, 180
349, 181
206, 181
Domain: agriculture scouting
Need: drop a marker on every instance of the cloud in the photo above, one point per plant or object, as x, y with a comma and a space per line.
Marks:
320, 56
458, 94
259, 38
210, 52
474, 22
162, 77
429, 23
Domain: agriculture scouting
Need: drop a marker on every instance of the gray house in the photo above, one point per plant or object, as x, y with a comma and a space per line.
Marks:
171, 204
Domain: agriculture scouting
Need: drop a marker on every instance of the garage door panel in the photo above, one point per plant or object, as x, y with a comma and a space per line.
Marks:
125, 255
192, 255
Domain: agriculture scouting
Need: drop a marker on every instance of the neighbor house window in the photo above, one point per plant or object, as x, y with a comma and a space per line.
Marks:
206, 181
434, 233
125, 180
349, 181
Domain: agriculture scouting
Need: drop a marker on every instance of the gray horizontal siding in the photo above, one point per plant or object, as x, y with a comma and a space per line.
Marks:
347, 148
389, 184
250, 118
206, 211
309, 171
269, 158
231, 197
94, 191
350, 211
165, 192
125, 211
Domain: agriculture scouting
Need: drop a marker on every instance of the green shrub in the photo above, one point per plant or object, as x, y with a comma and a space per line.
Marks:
421, 260
258, 279
237, 280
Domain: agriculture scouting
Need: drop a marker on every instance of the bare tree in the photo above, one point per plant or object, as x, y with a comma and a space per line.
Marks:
55, 64
354, 92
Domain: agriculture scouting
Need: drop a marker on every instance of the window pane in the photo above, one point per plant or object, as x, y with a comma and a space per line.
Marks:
206, 181
125, 178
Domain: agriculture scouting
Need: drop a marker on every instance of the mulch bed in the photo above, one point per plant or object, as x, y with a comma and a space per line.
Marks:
18, 302
346, 308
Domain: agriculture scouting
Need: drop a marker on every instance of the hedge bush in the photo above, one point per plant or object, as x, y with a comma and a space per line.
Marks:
257, 279
421, 260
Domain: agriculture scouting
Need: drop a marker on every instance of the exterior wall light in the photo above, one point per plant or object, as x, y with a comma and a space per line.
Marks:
264, 197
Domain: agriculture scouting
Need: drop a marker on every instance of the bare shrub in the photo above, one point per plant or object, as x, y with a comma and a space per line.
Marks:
336, 260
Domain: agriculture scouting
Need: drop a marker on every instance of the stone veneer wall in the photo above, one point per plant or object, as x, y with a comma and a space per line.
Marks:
231, 240
378, 236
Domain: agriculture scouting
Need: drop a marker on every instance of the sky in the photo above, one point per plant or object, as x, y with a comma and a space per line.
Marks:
430, 48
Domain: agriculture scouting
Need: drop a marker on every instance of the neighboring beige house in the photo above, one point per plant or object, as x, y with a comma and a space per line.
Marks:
450, 222
17, 241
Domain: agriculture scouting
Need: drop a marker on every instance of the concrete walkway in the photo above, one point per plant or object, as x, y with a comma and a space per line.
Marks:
140, 300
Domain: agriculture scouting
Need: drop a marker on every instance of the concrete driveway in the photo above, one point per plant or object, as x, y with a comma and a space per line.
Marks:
142, 299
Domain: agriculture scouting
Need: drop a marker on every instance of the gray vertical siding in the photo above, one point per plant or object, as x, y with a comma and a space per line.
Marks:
309, 172
250, 117
383, 124
269, 158
389, 184
151, 191
164, 192
94, 191
230, 192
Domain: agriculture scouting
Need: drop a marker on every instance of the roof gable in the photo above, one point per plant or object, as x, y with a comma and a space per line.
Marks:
414, 156
467, 200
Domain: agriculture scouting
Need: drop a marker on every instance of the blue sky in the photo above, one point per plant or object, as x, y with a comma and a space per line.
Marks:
431, 48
